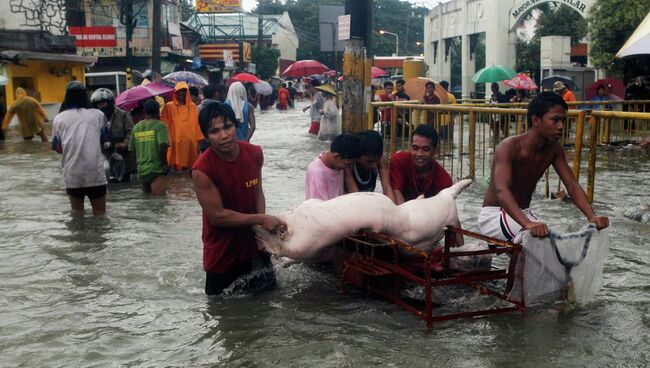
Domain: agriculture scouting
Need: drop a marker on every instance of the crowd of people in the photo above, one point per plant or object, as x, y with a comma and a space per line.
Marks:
211, 137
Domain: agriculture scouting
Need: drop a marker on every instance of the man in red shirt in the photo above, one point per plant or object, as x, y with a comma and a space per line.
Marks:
387, 97
415, 172
228, 183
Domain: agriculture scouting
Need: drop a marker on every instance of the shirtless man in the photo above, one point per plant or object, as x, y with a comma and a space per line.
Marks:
519, 162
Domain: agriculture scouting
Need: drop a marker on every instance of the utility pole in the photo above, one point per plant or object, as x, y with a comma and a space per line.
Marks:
357, 62
156, 41
260, 28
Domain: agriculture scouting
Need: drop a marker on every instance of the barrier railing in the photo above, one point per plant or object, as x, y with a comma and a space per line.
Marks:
469, 134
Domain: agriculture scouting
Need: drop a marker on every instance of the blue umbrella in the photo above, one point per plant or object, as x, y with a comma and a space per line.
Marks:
185, 76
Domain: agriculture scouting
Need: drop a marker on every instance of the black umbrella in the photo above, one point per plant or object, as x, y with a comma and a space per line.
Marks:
547, 83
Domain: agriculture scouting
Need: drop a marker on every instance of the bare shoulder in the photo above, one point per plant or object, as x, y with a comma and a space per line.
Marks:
509, 146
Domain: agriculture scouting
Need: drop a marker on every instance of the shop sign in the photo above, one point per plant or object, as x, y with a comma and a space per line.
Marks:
218, 6
94, 36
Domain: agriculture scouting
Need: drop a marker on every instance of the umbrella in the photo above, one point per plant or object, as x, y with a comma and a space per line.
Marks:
303, 68
264, 88
377, 72
131, 98
613, 86
190, 78
547, 83
639, 41
494, 73
414, 87
521, 81
245, 77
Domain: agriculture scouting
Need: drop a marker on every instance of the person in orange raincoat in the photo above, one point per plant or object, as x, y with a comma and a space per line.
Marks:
283, 97
30, 116
182, 119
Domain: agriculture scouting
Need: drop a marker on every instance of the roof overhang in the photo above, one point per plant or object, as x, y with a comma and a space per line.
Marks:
17, 57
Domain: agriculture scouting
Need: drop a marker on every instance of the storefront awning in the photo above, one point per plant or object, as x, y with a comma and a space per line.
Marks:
18, 56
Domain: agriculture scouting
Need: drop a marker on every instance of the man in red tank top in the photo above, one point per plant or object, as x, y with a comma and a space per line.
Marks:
228, 184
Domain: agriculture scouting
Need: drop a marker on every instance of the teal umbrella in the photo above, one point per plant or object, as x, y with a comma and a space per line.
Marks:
494, 73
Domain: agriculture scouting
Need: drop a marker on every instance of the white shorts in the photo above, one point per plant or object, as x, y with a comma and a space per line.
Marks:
496, 223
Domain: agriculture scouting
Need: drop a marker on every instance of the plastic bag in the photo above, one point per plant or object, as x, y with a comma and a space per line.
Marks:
571, 263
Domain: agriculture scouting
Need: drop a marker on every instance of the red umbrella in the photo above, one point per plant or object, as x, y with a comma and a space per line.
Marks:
377, 72
245, 77
521, 81
304, 68
612, 87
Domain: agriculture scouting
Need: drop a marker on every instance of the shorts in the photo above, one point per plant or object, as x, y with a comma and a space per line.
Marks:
496, 223
314, 128
90, 192
149, 177
257, 274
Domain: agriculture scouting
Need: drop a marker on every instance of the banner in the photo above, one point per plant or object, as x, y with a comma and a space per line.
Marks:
94, 36
218, 6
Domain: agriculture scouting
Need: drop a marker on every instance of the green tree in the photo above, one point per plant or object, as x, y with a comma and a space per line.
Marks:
611, 23
266, 61
561, 21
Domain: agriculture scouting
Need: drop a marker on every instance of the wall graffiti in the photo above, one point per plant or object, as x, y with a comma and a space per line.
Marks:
45, 15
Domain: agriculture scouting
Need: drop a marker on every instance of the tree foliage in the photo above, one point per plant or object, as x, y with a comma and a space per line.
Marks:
611, 23
266, 61
561, 21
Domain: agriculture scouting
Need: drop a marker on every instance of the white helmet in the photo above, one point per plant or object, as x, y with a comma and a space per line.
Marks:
102, 94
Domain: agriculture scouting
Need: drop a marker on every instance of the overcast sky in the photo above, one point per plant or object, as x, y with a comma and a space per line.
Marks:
250, 4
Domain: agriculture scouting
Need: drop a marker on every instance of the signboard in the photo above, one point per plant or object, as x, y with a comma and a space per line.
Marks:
344, 27
218, 6
94, 36
215, 52
328, 19
227, 58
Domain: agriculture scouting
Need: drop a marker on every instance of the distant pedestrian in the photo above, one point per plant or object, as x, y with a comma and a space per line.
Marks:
194, 95
120, 125
315, 106
244, 111
283, 97
498, 122
181, 117
292, 95
329, 121
79, 132
209, 95
31, 116
562, 90
446, 119
149, 142
430, 98
300, 89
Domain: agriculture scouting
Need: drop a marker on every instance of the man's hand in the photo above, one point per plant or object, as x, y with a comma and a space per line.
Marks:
122, 147
538, 229
305, 109
601, 222
273, 224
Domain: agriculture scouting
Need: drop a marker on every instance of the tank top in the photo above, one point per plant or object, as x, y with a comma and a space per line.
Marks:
237, 182
366, 182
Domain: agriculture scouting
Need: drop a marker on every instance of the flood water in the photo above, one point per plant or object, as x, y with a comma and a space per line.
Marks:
127, 290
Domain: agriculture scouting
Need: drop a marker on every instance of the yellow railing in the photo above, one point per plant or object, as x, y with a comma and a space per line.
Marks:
469, 134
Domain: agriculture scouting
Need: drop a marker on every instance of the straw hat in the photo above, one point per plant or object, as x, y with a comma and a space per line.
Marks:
558, 86
327, 88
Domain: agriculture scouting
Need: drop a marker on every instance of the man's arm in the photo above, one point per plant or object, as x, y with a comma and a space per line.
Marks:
350, 183
210, 200
396, 180
502, 178
384, 179
575, 190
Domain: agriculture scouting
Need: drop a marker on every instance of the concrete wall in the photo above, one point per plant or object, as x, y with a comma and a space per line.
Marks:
47, 78
22, 14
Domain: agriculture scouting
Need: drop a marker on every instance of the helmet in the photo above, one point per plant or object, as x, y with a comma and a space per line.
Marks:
75, 85
102, 94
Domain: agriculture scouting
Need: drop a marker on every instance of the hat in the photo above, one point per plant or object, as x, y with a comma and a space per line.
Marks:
327, 88
558, 86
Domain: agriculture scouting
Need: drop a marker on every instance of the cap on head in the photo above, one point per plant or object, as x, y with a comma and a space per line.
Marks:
102, 94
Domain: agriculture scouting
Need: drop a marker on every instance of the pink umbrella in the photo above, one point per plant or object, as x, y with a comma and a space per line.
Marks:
377, 72
130, 99
614, 87
521, 81
302, 68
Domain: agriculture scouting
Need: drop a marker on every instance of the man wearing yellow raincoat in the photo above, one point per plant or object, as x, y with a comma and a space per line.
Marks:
182, 119
30, 113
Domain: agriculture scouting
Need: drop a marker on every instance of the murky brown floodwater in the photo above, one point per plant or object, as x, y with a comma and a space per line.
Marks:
126, 290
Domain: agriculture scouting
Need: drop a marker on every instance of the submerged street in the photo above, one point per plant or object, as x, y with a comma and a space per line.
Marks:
127, 289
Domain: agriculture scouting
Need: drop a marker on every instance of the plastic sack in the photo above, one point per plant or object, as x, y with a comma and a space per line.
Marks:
561, 262
479, 262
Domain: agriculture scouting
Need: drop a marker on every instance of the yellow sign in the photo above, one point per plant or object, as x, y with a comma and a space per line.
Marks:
218, 6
